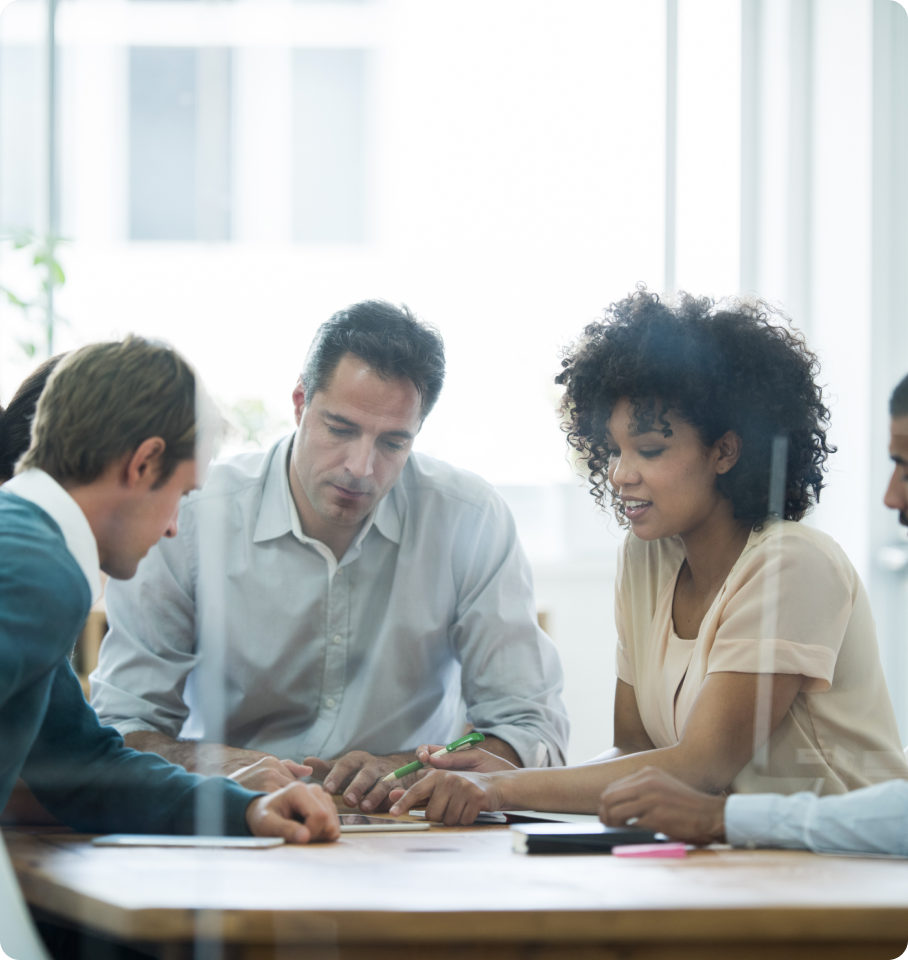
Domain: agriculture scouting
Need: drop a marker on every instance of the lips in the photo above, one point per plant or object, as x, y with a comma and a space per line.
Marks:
347, 494
635, 509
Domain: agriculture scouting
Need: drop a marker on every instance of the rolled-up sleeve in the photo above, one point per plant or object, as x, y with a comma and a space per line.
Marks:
511, 672
150, 647
872, 820
788, 613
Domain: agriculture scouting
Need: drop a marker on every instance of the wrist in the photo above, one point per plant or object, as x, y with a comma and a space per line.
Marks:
718, 828
506, 790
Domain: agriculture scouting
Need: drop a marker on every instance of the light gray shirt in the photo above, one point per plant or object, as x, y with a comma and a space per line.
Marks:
872, 820
433, 602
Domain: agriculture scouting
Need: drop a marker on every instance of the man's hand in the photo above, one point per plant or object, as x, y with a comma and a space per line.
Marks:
661, 802
475, 760
357, 775
454, 798
299, 813
270, 774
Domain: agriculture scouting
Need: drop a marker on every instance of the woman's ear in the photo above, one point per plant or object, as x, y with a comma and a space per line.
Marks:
727, 448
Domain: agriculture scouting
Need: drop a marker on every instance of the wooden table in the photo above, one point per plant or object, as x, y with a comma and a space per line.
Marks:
454, 893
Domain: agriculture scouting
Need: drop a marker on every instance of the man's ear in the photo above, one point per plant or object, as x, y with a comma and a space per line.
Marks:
728, 447
299, 400
144, 466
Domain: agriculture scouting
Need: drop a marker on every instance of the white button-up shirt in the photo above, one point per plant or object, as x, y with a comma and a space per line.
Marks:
431, 604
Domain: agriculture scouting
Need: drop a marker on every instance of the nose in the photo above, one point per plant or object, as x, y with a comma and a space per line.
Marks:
171, 530
622, 472
361, 458
897, 492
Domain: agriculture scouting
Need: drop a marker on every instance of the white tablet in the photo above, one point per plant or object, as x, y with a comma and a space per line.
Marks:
163, 840
359, 823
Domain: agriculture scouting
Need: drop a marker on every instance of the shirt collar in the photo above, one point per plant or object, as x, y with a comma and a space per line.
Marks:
278, 514
42, 490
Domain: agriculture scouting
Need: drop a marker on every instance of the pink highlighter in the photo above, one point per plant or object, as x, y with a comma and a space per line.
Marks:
665, 850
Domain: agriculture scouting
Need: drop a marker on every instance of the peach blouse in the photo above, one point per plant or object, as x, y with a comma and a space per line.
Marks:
792, 603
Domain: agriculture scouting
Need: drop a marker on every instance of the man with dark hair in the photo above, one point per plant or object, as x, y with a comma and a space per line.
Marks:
113, 450
871, 820
360, 593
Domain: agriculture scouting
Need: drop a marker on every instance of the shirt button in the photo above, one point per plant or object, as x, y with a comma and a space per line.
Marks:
338, 638
329, 702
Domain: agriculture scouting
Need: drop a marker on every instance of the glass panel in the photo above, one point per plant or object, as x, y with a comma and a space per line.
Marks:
328, 87
20, 136
162, 143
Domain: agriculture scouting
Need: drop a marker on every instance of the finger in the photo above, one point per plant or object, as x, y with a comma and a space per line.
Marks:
459, 760
375, 795
342, 772
298, 770
607, 803
471, 811
316, 808
268, 822
426, 750
455, 809
438, 803
364, 780
416, 794
618, 814
320, 768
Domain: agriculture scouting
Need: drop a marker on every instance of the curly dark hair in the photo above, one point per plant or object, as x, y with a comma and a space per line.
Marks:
720, 368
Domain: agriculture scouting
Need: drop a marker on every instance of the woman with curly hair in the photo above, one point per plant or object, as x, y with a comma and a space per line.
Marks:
747, 657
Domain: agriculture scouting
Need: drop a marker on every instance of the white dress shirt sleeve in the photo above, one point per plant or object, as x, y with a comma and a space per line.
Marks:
511, 673
150, 647
871, 820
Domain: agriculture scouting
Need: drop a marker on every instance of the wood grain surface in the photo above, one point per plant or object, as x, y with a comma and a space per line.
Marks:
397, 894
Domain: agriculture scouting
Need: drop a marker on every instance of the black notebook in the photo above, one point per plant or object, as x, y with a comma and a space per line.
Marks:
577, 837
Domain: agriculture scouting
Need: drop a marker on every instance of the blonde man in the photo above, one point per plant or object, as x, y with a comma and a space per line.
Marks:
113, 451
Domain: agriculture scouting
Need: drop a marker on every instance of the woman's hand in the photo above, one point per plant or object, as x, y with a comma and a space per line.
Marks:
655, 800
453, 798
474, 760
299, 813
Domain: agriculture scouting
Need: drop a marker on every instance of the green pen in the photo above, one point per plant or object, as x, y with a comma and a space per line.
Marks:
460, 744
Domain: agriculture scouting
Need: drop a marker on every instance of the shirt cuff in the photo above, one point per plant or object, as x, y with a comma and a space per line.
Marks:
532, 751
767, 820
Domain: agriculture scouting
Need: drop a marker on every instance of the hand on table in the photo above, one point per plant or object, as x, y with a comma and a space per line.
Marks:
270, 774
475, 760
358, 775
661, 802
453, 798
279, 814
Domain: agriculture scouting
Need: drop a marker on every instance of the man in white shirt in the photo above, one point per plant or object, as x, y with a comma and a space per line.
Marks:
356, 591
871, 820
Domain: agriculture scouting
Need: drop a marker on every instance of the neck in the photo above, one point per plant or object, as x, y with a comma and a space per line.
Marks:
335, 536
100, 503
713, 547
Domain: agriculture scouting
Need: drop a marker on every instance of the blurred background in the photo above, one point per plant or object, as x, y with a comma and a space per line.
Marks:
225, 174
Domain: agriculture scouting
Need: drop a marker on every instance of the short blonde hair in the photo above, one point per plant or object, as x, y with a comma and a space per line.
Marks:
105, 399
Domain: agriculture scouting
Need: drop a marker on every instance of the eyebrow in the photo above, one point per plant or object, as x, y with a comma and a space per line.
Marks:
635, 432
899, 460
403, 434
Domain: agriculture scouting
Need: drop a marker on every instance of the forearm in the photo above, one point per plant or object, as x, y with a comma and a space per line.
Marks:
578, 789
501, 749
872, 820
205, 758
